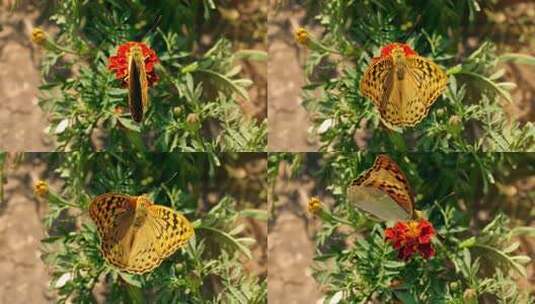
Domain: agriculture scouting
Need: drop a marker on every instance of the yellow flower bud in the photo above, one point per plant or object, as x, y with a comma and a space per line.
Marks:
470, 296
177, 111
454, 120
118, 110
192, 119
40, 188
314, 205
302, 36
39, 36
406, 26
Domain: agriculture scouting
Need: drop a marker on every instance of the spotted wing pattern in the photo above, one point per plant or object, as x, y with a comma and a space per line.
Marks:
372, 84
138, 247
403, 102
429, 80
386, 177
173, 230
109, 210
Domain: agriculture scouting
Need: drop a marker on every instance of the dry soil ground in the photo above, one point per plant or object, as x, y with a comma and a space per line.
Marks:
288, 121
25, 279
22, 122
290, 242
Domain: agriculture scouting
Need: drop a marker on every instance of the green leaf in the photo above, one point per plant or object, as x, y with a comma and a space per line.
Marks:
517, 58
255, 55
229, 239
258, 214
225, 81
488, 82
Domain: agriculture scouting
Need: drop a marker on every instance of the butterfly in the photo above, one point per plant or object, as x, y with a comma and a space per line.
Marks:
383, 191
402, 85
138, 89
137, 235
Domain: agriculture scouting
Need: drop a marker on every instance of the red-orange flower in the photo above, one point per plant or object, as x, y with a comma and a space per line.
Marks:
411, 237
119, 63
387, 50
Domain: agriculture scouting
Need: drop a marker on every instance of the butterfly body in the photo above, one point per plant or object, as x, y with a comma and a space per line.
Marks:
141, 212
383, 191
137, 235
138, 90
402, 85
400, 64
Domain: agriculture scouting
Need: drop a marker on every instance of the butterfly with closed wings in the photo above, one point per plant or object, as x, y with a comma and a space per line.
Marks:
383, 191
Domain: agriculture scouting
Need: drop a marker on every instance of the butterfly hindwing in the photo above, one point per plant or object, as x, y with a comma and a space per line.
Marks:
138, 96
172, 228
383, 191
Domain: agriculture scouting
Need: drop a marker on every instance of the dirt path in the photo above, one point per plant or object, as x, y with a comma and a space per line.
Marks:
288, 121
25, 277
22, 122
291, 244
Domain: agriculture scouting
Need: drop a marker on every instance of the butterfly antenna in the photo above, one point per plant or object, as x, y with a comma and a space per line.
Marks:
170, 179
152, 28
413, 29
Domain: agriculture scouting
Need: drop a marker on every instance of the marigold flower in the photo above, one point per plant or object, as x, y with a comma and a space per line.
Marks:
119, 63
314, 205
302, 36
387, 50
410, 237
38, 36
40, 188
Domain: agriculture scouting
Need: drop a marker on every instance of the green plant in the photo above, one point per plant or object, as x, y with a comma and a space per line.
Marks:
468, 117
210, 269
477, 257
194, 107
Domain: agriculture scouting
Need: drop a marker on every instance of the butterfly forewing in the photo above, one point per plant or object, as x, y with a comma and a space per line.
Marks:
109, 210
383, 191
372, 84
431, 80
